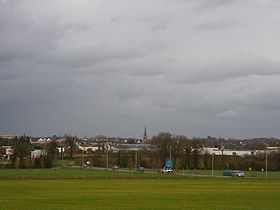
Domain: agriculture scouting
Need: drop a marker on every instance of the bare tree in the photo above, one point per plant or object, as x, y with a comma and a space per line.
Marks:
22, 150
71, 144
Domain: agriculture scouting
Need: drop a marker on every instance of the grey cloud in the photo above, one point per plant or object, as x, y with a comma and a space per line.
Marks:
224, 70
218, 25
210, 4
120, 19
188, 67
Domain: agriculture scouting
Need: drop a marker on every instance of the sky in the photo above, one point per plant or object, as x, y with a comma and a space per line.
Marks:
111, 67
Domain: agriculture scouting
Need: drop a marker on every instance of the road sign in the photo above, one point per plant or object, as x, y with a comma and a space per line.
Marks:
168, 162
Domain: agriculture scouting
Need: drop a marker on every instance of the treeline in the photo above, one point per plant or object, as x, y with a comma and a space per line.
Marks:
185, 152
21, 157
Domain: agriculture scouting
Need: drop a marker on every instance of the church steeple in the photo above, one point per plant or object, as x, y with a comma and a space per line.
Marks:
145, 136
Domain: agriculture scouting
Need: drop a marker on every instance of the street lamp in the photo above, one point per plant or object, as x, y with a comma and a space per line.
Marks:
107, 149
213, 163
83, 160
222, 150
266, 162
266, 165
136, 162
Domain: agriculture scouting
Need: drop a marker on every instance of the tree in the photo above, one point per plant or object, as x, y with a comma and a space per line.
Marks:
22, 150
51, 149
195, 154
3, 142
187, 161
71, 143
123, 158
163, 141
179, 147
207, 160
2, 151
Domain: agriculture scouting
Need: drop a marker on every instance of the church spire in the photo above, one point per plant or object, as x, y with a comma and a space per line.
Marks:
145, 136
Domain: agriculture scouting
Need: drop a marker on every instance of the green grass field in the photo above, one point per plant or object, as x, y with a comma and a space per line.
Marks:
187, 193
75, 188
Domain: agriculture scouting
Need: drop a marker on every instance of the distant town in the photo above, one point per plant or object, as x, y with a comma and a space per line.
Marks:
22, 151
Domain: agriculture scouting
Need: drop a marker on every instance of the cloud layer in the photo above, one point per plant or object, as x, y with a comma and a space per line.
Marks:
197, 68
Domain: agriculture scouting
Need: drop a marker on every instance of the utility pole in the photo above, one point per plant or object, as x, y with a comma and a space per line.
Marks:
107, 159
136, 159
62, 148
107, 148
83, 157
222, 150
170, 152
212, 163
266, 162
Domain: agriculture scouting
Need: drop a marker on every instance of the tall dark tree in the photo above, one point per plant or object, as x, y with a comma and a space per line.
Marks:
2, 151
187, 158
207, 160
22, 150
51, 149
71, 144
179, 144
163, 142
195, 155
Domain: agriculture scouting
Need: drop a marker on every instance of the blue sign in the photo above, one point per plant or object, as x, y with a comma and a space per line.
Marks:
168, 162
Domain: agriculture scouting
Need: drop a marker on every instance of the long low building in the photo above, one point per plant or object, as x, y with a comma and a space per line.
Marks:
85, 149
131, 147
10, 136
217, 151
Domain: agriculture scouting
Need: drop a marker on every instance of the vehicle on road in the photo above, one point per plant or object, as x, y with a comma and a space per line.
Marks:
141, 169
70, 164
166, 170
115, 167
233, 173
85, 165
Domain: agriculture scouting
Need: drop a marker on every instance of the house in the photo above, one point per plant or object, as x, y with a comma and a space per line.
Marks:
9, 137
86, 149
43, 141
9, 151
37, 153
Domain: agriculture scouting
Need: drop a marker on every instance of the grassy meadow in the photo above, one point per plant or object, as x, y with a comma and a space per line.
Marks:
76, 188
186, 193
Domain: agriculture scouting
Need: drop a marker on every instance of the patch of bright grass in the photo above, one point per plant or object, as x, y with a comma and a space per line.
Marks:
191, 193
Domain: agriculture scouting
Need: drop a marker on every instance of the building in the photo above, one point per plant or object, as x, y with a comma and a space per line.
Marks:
217, 151
37, 153
131, 147
9, 150
43, 141
87, 149
274, 149
9, 137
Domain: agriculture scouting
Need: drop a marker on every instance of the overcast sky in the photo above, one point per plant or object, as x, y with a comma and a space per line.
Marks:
110, 67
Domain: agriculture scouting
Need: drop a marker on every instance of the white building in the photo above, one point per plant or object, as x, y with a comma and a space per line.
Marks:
85, 149
9, 151
37, 153
218, 151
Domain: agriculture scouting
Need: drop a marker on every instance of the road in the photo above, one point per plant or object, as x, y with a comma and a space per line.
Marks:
155, 172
